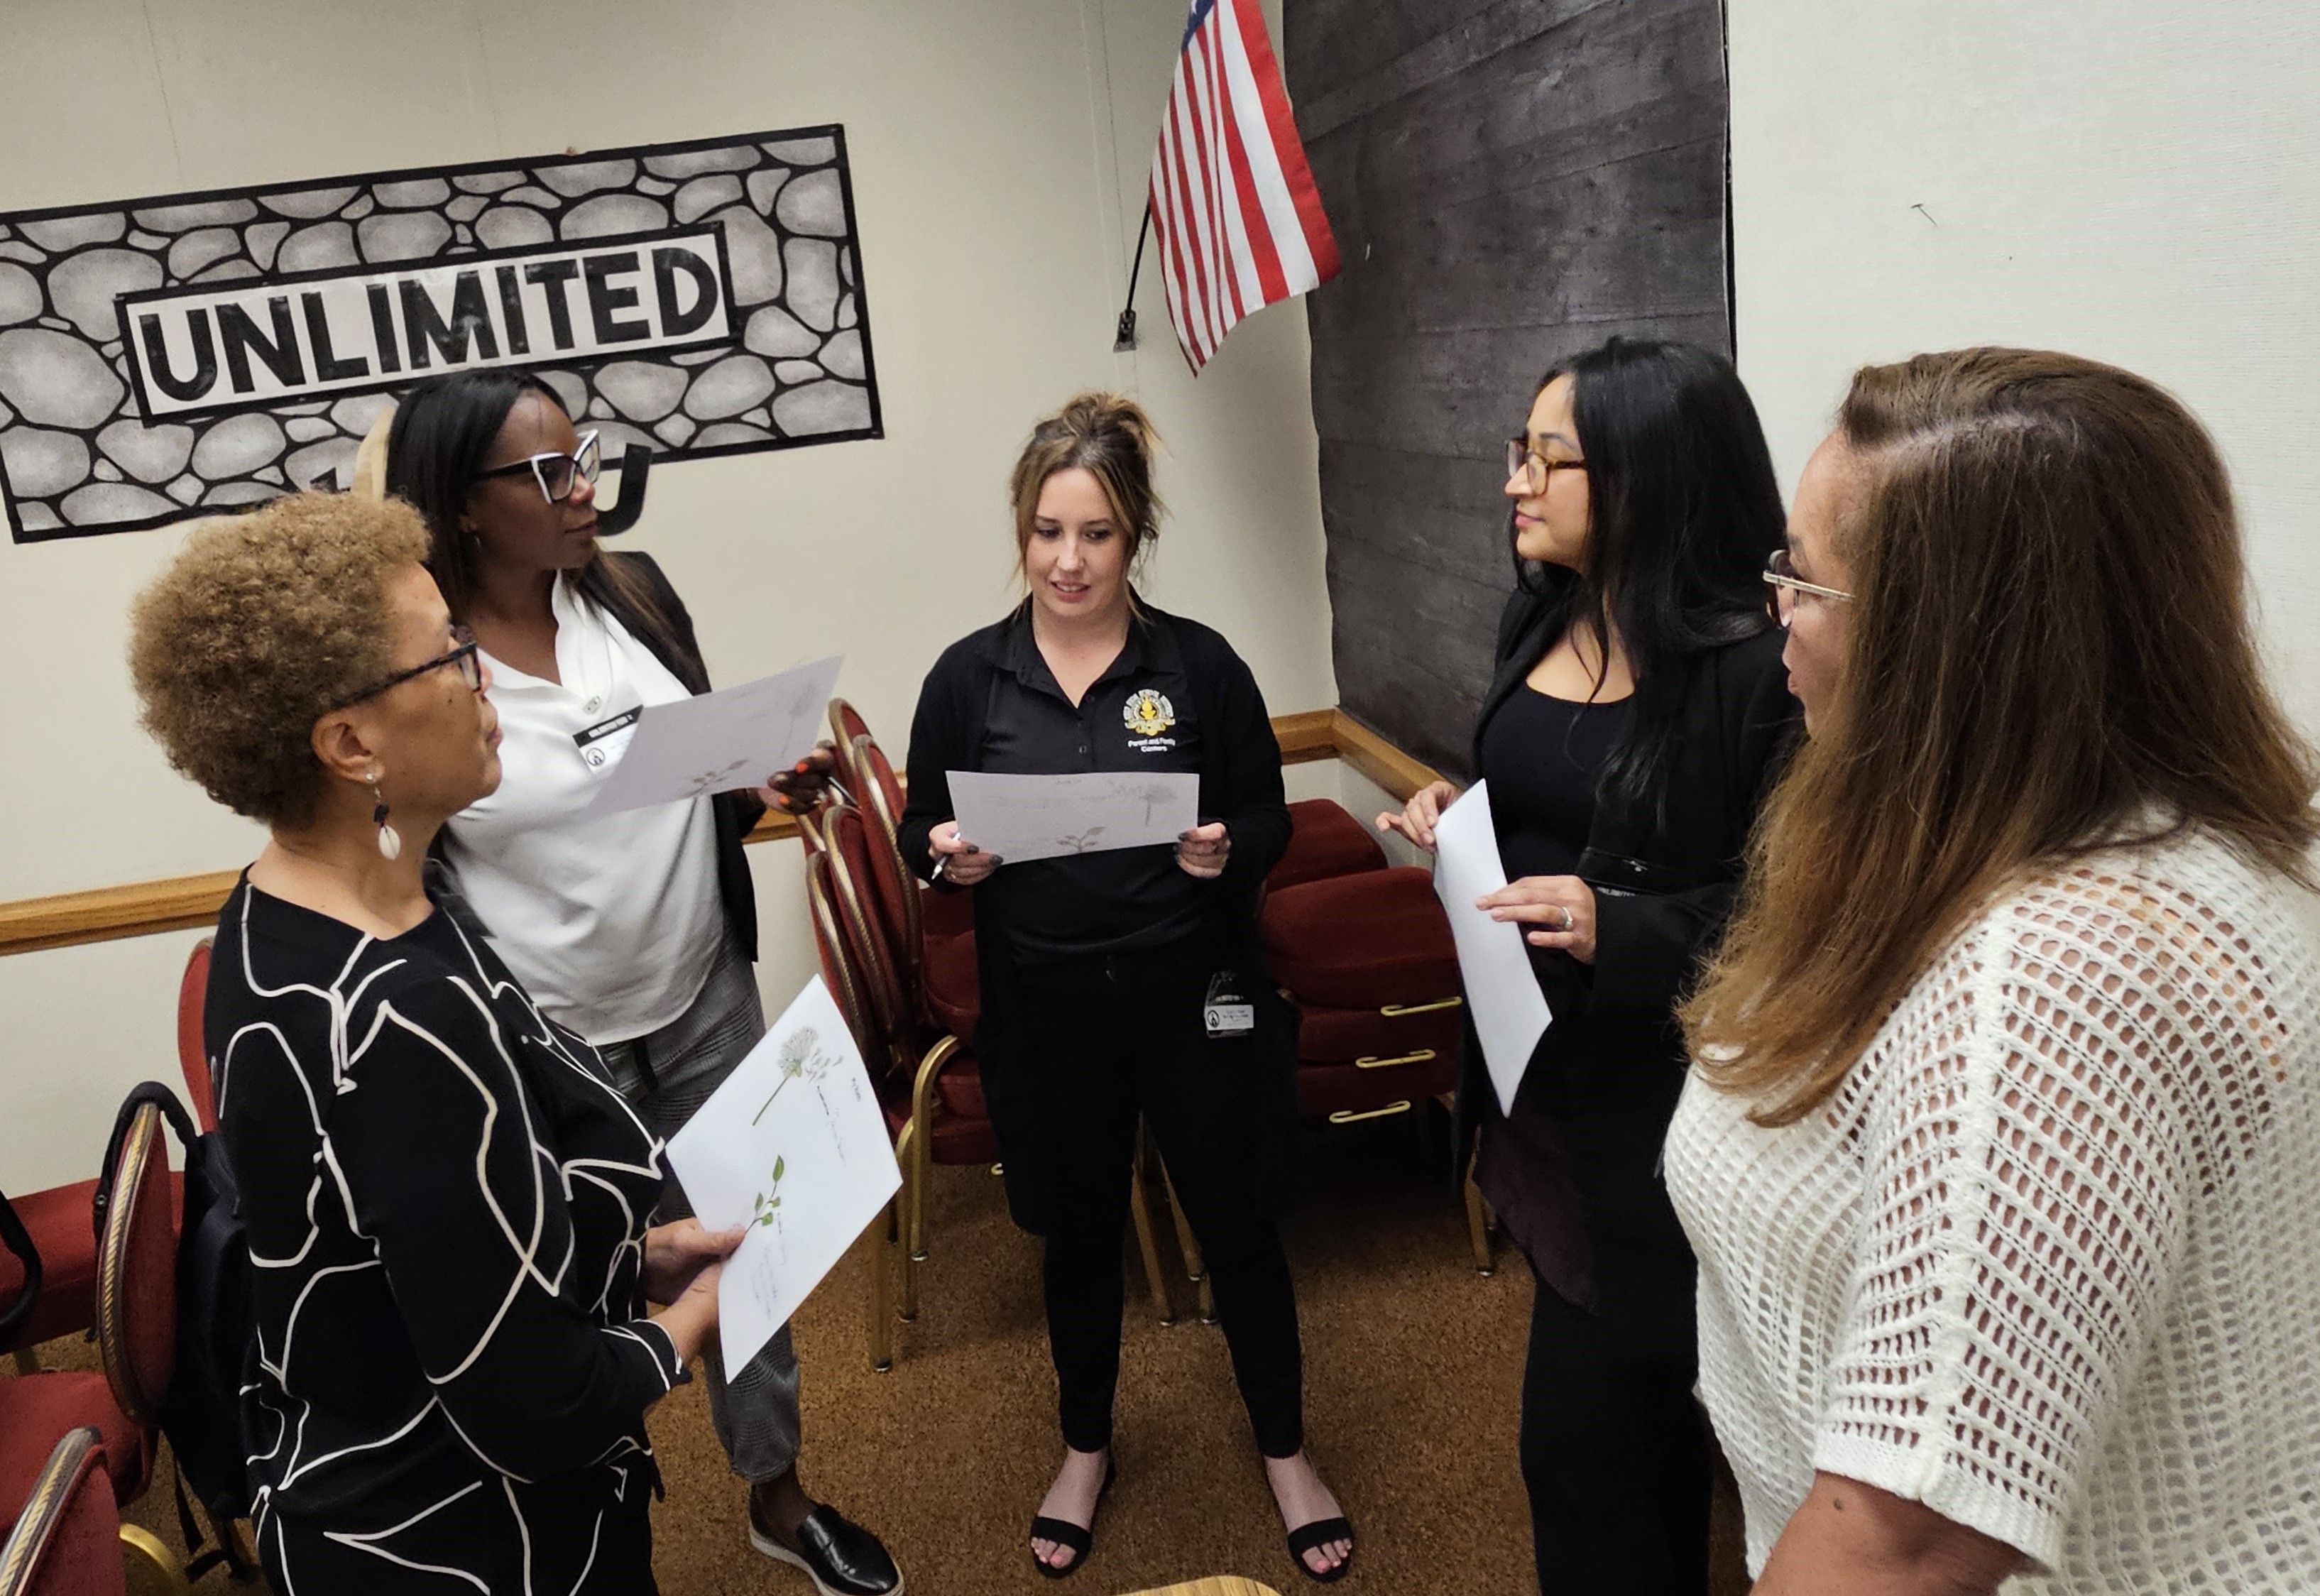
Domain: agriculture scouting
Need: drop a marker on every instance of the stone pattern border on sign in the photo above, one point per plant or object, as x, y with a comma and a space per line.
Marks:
76, 456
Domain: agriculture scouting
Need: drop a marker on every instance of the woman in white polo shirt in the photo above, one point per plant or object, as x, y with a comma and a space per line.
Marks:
635, 929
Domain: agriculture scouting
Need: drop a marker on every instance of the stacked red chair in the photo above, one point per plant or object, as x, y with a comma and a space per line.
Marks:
1323, 840
65, 1542
1368, 959
136, 1321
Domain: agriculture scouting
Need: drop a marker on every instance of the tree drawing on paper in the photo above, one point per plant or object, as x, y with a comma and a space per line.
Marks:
1153, 796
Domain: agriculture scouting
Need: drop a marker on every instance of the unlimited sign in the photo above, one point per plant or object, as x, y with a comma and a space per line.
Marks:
196, 351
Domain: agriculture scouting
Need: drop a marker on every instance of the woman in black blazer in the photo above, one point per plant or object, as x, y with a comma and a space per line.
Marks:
1636, 717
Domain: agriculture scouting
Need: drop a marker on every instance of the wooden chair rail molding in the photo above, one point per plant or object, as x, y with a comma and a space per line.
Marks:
186, 903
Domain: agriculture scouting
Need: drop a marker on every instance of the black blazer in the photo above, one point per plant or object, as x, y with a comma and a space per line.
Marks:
1574, 1174
670, 637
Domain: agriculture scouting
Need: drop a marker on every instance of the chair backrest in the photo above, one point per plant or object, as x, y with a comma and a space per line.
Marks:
66, 1540
882, 808
873, 934
845, 724
137, 1273
18, 1240
193, 1057
837, 964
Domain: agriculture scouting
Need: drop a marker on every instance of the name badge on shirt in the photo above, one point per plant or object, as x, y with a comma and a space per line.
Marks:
601, 745
1228, 1013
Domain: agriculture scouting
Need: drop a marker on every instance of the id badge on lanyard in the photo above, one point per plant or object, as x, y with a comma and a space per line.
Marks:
1228, 1011
601, 745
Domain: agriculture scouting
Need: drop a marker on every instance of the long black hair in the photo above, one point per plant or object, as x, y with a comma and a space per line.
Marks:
437, 446
1683, 514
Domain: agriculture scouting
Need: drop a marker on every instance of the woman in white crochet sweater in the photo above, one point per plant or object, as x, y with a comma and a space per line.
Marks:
2001, 1149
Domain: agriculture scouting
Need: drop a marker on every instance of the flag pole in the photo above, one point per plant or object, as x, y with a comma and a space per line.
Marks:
1125, 340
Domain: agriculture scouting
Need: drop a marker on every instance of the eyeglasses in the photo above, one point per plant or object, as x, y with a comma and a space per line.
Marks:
557, 474
464, 656
1787, 587
1534, 468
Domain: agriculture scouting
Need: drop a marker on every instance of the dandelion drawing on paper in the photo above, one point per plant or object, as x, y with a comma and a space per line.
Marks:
801, 1056
798, 1055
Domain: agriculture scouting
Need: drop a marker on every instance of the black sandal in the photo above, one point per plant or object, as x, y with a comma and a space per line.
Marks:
1064, 1533
1305, 1537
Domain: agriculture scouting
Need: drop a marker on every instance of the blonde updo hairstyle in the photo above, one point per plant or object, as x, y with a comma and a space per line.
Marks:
263, 624
1113, 440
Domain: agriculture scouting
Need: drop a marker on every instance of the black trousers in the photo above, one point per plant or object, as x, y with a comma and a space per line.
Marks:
1615, 1455
1097, 1043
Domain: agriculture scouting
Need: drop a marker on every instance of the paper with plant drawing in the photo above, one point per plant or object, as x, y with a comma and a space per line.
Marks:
735, 737
1046, 817
792, 1146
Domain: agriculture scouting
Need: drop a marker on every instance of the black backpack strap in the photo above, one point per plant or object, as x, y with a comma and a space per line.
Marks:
19, 1240
173, 1110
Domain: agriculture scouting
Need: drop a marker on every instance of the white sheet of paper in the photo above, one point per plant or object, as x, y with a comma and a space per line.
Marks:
793, 1145
1510, 1012
735, 737
1045, 817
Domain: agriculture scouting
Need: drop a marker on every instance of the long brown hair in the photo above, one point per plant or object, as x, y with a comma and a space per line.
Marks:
2049, 651
1112, 439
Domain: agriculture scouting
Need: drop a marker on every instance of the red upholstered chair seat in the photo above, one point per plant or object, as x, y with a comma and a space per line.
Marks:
954, 999
58, 1221
958, 1139
37, 1410
945, 915
1323, 840
1361, 941
1345, 1035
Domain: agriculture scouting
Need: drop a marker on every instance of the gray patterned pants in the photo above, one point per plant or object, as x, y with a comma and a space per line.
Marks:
754, 1413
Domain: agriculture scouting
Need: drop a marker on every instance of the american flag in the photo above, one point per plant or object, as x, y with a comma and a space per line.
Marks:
1238, 219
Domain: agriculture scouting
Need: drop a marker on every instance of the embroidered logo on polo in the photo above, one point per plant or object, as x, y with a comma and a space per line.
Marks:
1146, 714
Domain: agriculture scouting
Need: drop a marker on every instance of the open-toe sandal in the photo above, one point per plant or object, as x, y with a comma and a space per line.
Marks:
1305, 1537
1078, 1541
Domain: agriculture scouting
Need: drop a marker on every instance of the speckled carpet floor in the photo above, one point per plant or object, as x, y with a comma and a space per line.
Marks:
1413, 1373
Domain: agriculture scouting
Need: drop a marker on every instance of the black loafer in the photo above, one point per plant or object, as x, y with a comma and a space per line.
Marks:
840, 1557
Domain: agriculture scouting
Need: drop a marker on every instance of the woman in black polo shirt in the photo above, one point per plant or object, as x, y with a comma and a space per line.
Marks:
1096, 969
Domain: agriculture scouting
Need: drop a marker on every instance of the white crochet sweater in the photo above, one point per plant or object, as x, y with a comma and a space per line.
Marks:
2048, 1261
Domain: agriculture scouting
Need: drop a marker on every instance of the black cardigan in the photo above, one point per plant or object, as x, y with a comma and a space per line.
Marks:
670, 639
1575, 1175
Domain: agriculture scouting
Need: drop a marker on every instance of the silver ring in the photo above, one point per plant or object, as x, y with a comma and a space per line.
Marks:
1567, 920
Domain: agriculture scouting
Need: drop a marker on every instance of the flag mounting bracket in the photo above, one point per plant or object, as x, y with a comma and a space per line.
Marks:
1124, 340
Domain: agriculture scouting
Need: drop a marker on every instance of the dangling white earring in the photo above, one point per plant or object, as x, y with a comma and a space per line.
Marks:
390, 843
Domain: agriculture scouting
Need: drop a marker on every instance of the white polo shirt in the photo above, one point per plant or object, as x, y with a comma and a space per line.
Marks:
611, 922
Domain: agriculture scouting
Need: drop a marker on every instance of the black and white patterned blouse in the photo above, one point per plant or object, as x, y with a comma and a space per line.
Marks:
446, 1202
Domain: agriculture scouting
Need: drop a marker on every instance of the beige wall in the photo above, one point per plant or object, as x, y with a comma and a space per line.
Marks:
999, 150
2134, 180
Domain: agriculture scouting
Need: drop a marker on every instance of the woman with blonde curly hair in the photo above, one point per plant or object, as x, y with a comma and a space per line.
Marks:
1999, 1152
452, 1359
1097, 970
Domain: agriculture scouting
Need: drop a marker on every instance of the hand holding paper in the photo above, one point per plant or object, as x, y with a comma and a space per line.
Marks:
1046, 817
1510, 1012
736, 737
793, 1146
